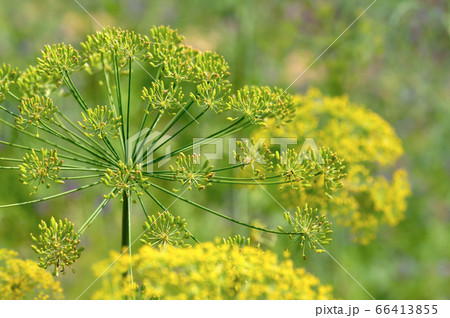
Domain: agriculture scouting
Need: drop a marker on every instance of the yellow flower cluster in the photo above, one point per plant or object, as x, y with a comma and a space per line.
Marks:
374, 191
208, 271
23, 279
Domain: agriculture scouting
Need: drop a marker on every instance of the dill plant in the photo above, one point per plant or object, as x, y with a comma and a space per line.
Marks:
184, 86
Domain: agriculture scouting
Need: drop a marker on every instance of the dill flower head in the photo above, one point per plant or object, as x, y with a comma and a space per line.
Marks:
39, 170
101, 122
313, 229
125, 180
165, 230
23, 279
208, 271
35, 110
57, 245
189, 170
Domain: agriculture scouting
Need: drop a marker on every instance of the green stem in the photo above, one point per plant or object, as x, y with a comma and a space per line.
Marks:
96, 213
75, 168
128, 108
50, 197
74, 91
78, 138
93, 162
217, 213
144, 120
108, 85
221, 133
14, 96
57, 134
166, 129
60, 155
91, 139
81, 177
100, 155
125, 221
119, 102
178, 132
143, 208
10, 159
149, 131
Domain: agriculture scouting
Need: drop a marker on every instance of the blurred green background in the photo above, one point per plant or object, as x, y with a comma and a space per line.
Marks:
395, 60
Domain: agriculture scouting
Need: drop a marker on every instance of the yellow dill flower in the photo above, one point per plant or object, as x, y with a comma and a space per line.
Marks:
373, 192
208, 271
24, 279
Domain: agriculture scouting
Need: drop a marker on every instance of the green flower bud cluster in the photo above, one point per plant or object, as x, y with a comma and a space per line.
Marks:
36, 171
210, 66
237, 240
164, 99
125, 180
165, 230
35, 110
58, 59
304, 168
101, 122
333, 171
31, 83
211, 95
123, 43
255, 155
312, 228
296, 168
189, 170
261, 103
8, 76
165, 45
57, 245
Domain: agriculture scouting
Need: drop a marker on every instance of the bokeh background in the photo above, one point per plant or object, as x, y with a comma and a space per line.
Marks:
395, 60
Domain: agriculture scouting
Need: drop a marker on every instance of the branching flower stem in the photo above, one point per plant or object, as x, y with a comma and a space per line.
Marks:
217, 213
50, 197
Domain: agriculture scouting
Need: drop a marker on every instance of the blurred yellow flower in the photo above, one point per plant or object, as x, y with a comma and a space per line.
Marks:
375, 190
207, 271
24, 279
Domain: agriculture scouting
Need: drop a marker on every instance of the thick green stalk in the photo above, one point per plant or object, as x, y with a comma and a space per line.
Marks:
125, 221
